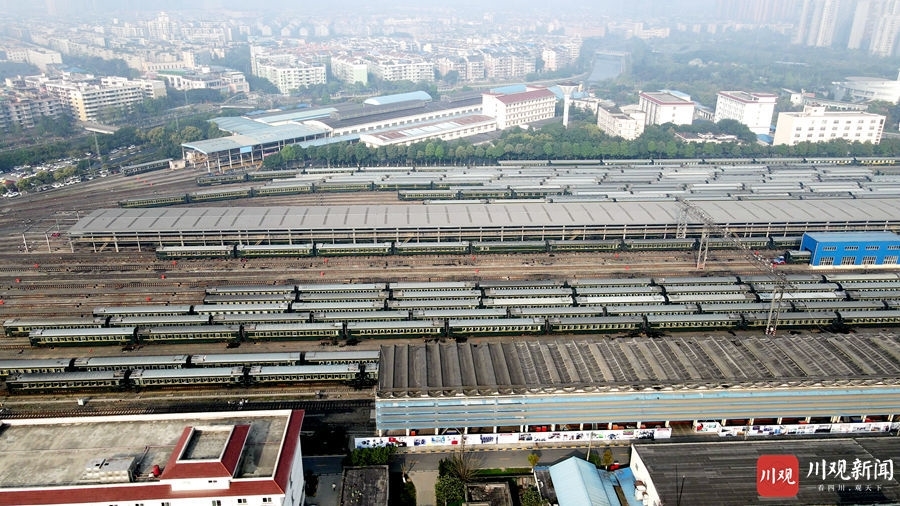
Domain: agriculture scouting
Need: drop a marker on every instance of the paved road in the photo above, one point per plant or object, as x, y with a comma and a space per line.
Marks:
422, 466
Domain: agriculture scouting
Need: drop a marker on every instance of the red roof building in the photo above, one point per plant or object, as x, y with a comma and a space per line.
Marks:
515, 109
245, 457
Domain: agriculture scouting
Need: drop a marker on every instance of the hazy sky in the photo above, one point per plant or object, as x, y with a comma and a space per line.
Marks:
105, 8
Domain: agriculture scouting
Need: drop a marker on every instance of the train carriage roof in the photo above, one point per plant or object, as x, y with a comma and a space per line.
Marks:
70, 377
131, 361
227, 219
199, 372
231, 358
32, 363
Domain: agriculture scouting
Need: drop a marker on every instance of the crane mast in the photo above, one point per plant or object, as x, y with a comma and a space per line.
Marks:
780, 283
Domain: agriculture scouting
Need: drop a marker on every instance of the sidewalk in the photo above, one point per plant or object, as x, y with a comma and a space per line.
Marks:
424, 482
326, 495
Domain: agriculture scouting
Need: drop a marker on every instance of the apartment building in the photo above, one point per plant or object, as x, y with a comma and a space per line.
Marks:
350, 70
396, 69
288, 77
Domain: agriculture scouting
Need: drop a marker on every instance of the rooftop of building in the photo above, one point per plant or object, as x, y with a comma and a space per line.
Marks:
176, 219
276, 126
601, 365
724, 473
399, 97
853, 236
665, 98
255, 135
749, 96
112, 459
524, 96
364, 486
432, 128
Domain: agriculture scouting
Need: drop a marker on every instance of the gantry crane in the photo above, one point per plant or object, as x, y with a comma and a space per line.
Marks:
780, 282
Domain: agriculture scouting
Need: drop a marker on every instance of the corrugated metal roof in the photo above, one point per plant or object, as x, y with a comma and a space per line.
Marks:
577, 483
252, 133
214, 219
399, 97
853, 236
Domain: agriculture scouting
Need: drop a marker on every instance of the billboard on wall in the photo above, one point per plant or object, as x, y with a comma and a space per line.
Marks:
516, 438
529, 439
246, 149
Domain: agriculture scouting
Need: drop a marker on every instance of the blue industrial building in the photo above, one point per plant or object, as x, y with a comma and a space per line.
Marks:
851, 248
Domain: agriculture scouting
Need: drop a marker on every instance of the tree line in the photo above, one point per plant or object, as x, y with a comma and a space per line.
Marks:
581, 141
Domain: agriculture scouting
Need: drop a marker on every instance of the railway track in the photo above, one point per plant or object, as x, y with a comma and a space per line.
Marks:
310, 406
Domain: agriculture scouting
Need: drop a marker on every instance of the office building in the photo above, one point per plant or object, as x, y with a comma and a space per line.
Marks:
513, 109
816, 124
248, 458
627, 123
749, 108
665, 107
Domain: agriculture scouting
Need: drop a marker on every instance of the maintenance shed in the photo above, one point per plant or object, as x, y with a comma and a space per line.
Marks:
511, 386
849, 249
826, 471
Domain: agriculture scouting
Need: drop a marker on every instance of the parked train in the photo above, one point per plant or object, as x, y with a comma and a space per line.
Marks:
356, 368
784, 246
423, 187
332, 311
641, 318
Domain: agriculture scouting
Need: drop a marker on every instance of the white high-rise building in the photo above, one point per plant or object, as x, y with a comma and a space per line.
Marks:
749, 108
627, 122
401, 69
663, 107
292, 76
350, 70
512, 109
104, 101
816, 124
818, 21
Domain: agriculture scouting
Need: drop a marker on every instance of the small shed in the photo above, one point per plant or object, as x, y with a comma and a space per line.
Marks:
849, 249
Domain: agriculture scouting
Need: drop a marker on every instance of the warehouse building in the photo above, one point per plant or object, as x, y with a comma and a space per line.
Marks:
225, 458
567, 386
852, 249
114, 228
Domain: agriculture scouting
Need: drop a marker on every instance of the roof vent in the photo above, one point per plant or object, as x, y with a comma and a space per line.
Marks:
111, 470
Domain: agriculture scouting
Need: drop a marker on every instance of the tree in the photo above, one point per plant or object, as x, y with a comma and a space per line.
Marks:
190, 134
288, 153
273, 161
378, 456
533, 459
450, 490
532, 497
607, 459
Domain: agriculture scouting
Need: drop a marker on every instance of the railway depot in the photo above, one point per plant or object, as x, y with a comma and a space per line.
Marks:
374, 225
571, 385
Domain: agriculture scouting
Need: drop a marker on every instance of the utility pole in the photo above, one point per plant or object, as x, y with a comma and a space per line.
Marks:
765, 266
97, 149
